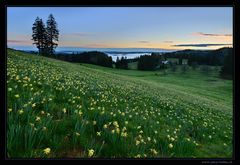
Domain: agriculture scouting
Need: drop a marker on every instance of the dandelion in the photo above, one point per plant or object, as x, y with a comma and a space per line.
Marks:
90, 152
170, 145
47, 151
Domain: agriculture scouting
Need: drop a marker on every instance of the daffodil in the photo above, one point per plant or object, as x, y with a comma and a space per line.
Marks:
37, 118
20, 111
17, 96
98, 133
90, 152
47, 151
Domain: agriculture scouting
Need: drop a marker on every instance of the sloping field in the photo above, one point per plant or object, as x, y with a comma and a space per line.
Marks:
59, 109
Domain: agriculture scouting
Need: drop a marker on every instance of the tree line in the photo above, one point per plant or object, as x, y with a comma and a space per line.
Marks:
92, 57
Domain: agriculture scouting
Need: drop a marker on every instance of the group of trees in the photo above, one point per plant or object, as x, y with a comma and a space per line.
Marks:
148, 62
121, 63
92, 57
206, 57
45, 37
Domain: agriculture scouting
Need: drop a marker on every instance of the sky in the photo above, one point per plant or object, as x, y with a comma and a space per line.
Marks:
172, 28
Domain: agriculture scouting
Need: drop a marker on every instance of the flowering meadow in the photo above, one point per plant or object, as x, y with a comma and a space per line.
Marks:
57, 109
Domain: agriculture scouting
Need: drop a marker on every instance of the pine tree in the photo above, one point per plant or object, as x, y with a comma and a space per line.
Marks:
39, 35
52, 34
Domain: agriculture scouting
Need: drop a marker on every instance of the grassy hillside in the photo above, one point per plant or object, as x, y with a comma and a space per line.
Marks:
59, 109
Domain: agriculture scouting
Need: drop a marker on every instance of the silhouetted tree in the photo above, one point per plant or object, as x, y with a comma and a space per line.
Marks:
52, 34
39, 35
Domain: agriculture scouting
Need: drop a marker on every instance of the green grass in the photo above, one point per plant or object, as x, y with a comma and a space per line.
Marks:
136, 113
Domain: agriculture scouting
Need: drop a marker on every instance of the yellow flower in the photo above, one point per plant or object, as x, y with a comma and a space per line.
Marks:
148, 138
124, 134
90, 152
154, 151
138, 156
170, 145
137, 142
105, 126
20, 111
17, 96
64, 110
34, 105
37, 118
47, 151
10, 110
80, 113
98, 133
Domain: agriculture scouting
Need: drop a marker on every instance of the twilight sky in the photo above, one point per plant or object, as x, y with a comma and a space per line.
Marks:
127, 27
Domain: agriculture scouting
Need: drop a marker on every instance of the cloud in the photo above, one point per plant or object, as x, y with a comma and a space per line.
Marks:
168, 41
211, 34
18, 41
144, 42
77, 34
200, 45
